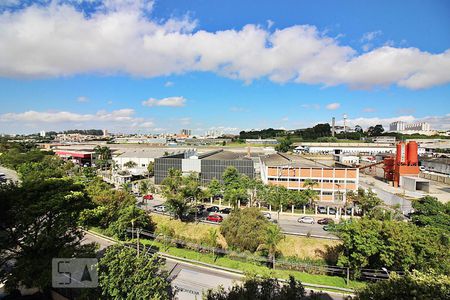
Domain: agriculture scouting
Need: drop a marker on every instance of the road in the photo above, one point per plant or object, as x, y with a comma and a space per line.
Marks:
287, 223
192, 280
11, 175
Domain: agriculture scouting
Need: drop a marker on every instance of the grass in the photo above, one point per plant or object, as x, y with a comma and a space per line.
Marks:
252, 268
301, 247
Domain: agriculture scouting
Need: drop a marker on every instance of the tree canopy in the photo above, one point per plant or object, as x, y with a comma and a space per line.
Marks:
428, 211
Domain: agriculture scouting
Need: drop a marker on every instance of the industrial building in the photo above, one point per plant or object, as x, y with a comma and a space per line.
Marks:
292, 171
350, 148
436, 165
79, 157
208, 165
261, 141
410, 128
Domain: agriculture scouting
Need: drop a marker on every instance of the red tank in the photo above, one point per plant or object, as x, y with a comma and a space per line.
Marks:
400, 157
389, 168
412, 156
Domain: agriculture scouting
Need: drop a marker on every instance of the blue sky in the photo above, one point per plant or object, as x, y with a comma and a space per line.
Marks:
232, 65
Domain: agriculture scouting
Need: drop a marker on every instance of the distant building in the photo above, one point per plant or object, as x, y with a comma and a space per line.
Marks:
384, 139
411, 128
437, 165
350, 148
105, 132
186, 132
261, 141
42, 133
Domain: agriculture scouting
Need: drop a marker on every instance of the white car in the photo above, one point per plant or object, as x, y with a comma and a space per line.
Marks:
160, 208
267, 215
307, 220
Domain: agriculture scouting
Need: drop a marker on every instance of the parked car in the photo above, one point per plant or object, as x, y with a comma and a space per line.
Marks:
213, 209
325, 221
214, 218
307, 220
226, 210
322, 210
267, 215
348, 211
148, 197
332, 211
160, 208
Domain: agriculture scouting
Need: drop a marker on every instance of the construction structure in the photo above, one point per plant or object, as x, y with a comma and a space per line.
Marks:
403, 169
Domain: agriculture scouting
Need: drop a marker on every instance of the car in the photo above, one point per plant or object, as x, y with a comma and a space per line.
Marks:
214, 218
332, 211
160, 208
322, 210
348, 211
213, 209
148, 197
325, 221
226, 210
267, 215
200, 207
307, 220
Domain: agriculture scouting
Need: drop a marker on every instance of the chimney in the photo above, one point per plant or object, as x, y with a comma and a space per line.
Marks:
333, 121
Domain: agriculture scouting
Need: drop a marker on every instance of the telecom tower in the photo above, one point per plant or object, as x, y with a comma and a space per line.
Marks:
345, 123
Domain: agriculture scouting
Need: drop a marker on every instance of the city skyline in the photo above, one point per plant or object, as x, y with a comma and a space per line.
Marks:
149, 67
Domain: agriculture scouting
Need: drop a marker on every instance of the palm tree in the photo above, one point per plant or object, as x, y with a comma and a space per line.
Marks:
310, 184
273, 237
143, 188
103, 154
130, 164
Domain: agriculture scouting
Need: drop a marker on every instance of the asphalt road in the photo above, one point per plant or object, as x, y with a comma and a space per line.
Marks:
190, 280
10, 174
287, 223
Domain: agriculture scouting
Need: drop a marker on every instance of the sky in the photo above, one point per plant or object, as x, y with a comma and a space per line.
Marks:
160, 66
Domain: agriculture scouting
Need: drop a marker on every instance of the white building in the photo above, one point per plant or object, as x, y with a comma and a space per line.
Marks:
410, 128
350, 148
42, 133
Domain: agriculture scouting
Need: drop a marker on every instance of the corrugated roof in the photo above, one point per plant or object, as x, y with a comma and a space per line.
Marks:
223, 155
279, 159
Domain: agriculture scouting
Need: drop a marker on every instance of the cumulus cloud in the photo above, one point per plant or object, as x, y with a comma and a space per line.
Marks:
333, 106
169, 101
42, 41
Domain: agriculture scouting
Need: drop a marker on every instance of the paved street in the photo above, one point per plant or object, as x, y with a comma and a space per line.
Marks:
10, 174
288, 223
191, 280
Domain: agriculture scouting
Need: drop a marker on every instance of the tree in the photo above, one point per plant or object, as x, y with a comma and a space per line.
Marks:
245, 229
367, 201
358, 129
311, 194
151, 168
234, 186
130, 164
215, 188
38, 222
277, 198
273, 237
103, 154
143, 187
130, 216
261, 289
48, 167
124, 275
211, 239
371, 243
428, 211
284, 145
375, 130
413, 285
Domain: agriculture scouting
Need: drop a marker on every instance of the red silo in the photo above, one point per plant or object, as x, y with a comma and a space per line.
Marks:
400, 157
412, 156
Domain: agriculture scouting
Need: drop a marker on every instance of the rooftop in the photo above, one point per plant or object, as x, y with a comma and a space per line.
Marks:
223, 155
278, 159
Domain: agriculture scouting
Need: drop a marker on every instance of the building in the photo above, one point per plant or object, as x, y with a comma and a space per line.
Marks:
80, 157
141, 140
436, 165
141, 159
411, 128
208, 165
42, 133
186, 132
262, 141
105, 133
332, 184
349, 148
384, 139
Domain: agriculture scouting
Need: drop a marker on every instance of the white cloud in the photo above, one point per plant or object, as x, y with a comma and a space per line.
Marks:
120, 38
369, 110
310, 106
169, 101
333, 106
83, 99
65, 116
169, 84
369, 36
270, 23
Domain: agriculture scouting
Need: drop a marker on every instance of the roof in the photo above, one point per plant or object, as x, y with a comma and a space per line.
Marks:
143, 153
278, 159
369, 145
223, 155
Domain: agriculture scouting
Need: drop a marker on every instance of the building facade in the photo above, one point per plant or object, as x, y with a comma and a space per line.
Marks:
332, 184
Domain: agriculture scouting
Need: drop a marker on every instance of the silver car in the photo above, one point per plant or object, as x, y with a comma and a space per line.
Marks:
307, 220
160, 208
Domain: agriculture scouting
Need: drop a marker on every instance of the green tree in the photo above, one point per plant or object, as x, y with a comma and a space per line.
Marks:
130, 164
278, 198
234, 186
151, 168
428, 211
413, 285
211, 239
103, 154
48, 167
124, 275
166, 233
245, 229
261, 289
130, 217
284, 145
367, 201
215, 188
273, 237
144, 187
38, 222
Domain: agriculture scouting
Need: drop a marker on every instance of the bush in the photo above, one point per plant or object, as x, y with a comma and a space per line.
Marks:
245, 229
